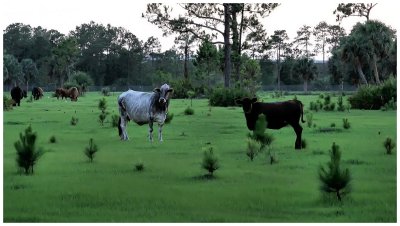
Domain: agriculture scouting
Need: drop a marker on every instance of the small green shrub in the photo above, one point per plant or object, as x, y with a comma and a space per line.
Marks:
389, 144
91, 150
391, 105
333, 125
7, 103
253, 148
210, 161
191, 94
340, 105
74, 121
30, 99
333, 179
309, 120
103, 114
346, 123
52, 139
189, 111
27, 152
181, 88
114, 120
169, 118
259, 133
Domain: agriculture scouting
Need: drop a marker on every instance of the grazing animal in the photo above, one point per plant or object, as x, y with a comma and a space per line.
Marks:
61, 92
37, 93
17, 94
73, 93
143, 108
278, 115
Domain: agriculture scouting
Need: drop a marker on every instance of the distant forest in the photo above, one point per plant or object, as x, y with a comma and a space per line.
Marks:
103, 55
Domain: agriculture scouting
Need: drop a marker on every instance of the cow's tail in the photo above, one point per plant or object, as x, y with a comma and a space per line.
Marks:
302, 112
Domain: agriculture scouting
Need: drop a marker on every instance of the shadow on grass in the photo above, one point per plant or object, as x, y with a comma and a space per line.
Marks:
206, 177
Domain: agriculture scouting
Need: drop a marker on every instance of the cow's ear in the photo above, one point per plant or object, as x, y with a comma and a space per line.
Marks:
157, 90
239, 101
170, 90
254, 100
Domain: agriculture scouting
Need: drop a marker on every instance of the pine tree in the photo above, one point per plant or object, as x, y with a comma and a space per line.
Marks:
27, 153
335, 180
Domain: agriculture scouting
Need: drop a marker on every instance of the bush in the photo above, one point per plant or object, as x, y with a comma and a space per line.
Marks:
259, 133
253, 147
91, 150
333, 125
169, 118
391, 105
225, 97
189, 111
74, 121
27, 152
210, 161
52, 139
346, 123
389, 144
114, 120
374, 96
7, 103
68, 85
316, 106
333, 179
181, 88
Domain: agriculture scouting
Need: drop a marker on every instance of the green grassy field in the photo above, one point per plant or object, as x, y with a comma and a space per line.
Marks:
67, 188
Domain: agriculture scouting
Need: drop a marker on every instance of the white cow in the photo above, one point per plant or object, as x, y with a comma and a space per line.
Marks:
143, 108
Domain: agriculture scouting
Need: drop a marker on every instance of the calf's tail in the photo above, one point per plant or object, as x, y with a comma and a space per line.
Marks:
302, 113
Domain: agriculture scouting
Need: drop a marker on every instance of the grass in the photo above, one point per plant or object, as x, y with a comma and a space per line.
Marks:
65, 188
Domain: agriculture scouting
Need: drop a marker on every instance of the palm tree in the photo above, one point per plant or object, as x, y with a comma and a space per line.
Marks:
306, 69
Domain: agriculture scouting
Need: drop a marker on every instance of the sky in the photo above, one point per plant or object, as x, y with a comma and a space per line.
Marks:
65, 15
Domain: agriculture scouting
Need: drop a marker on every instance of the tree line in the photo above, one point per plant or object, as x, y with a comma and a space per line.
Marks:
225, 44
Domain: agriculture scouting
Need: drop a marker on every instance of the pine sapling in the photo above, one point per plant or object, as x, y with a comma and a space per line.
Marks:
27, 152
210, 161
333, 179
389, 144
91, 150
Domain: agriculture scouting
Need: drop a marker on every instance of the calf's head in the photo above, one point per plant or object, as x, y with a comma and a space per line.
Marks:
163, 93
247, 104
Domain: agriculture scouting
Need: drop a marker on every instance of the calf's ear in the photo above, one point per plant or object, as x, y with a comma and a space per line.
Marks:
170, 90
254, 100
239, 101
157, 90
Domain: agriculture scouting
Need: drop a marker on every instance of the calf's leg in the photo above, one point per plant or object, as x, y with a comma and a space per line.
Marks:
160, 132
151, 131
122, 128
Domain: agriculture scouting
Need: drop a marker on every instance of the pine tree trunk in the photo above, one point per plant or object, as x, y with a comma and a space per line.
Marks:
227, 49
185, 65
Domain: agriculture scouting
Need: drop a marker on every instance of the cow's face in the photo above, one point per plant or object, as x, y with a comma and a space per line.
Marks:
163, 93
247, 104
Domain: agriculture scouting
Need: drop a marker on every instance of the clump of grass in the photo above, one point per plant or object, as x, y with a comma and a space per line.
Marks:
74, 121
210, 161
189, 111
303, 143
346, 123
53, 139
169, 118
27, 152
333, 179
139, 166
389, 145
91, 150
333, 125
253, 147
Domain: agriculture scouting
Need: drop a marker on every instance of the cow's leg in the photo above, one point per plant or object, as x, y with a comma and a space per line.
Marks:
122, 128
160, 132
298, 130
151, 131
